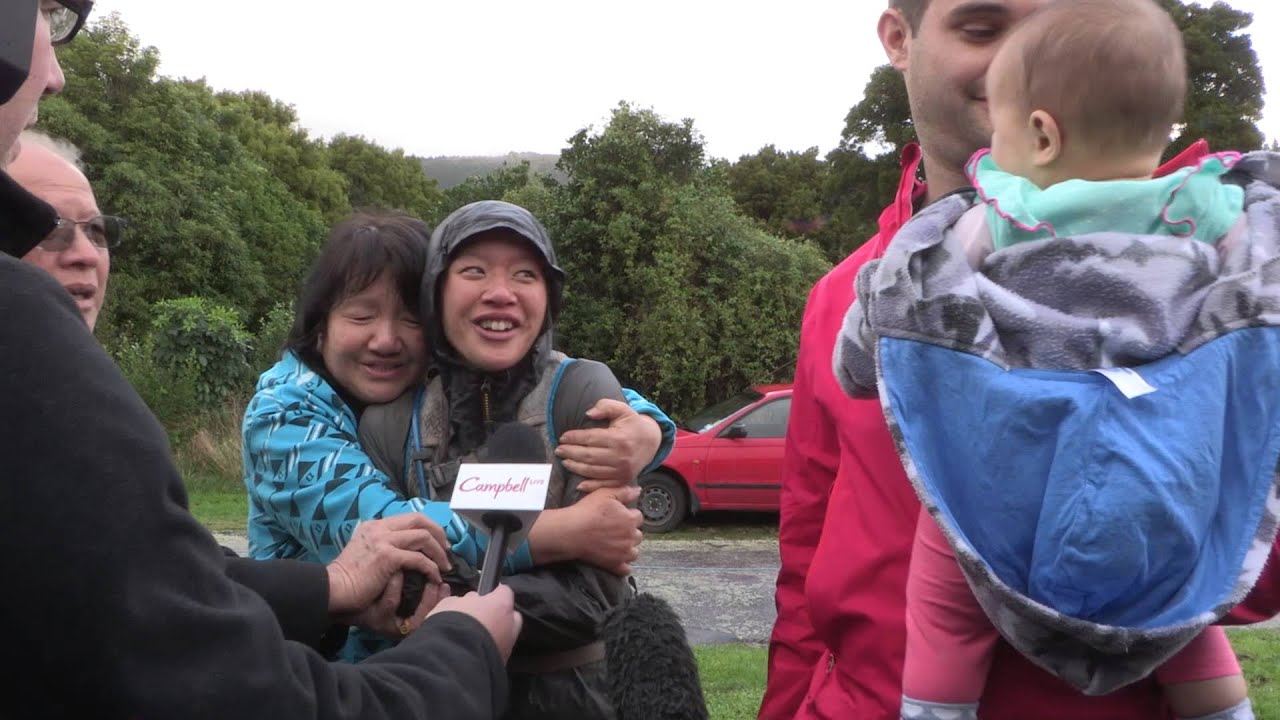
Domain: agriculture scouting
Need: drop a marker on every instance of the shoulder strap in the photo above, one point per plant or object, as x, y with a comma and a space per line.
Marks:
557, 381
432, 474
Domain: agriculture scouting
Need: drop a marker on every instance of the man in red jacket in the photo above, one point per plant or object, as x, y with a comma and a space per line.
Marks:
848, 510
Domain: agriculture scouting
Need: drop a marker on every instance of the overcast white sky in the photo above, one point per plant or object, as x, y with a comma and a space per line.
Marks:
485, 77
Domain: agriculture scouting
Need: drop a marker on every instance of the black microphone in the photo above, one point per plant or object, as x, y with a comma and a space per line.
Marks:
17, 39
510, 443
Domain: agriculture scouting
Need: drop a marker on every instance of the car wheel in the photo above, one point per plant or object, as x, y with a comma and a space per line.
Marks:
663, 502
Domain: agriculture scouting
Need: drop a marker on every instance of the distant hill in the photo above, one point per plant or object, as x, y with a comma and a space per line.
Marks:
453, 170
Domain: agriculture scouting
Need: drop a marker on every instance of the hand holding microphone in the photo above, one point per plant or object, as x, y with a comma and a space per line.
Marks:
492, 498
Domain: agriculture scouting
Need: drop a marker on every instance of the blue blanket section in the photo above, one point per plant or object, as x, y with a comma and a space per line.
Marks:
1131, 513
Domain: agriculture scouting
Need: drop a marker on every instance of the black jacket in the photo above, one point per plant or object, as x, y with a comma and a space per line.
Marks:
297, 593
117, 603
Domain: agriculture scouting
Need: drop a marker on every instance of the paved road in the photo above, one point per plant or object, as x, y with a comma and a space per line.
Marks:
722, 589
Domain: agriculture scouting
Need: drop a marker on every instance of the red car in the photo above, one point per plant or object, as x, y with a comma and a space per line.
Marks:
727, 457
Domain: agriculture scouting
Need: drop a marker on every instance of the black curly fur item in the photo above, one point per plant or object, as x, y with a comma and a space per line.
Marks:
652, 671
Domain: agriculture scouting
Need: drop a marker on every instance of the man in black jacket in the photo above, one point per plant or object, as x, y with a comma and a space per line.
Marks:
118, 603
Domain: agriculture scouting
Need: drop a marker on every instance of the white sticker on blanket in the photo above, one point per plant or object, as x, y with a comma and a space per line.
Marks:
1128, 381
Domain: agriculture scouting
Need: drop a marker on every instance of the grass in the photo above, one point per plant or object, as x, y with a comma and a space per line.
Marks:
1259, 653
733, 675
220, 510
732, 679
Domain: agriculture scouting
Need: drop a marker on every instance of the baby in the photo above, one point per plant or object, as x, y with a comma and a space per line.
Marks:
1058, 355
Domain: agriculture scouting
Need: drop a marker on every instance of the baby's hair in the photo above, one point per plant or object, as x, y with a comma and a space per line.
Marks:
1112, 73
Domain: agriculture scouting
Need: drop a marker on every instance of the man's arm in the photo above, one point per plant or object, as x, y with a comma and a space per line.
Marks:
810, 462
119, 600
297, 593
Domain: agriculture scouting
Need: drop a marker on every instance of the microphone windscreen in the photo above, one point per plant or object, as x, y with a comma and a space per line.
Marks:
651, 670
516, 443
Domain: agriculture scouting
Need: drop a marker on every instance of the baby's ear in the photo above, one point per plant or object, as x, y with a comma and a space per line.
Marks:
1047, 136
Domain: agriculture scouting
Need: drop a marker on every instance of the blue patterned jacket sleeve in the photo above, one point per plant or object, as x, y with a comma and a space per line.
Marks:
309, 481
644, 407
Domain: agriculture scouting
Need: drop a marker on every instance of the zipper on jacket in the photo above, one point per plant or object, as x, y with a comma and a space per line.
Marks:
486, 408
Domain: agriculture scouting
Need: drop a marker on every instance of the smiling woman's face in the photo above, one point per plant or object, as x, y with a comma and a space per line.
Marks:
494, 302
373, 345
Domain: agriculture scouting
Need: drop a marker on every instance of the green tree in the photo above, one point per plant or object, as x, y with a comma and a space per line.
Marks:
783, 190
1225, 86
864, 168
881, 120
499, 184
669, 284
269, 131
382, 179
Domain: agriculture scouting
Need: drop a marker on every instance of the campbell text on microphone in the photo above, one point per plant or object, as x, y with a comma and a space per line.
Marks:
507, 487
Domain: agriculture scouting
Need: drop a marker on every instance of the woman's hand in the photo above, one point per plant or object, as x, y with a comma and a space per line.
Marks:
381, 616
612, 456
599, 530
366, 578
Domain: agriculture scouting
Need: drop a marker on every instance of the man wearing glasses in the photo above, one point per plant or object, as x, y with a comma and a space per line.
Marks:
78, 251
116, 603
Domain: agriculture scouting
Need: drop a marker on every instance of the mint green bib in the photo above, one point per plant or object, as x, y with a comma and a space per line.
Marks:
1190, 202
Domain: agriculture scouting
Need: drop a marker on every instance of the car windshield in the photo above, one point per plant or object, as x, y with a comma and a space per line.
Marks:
709, 418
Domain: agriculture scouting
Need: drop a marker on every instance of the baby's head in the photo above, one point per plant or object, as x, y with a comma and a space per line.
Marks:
1087, 89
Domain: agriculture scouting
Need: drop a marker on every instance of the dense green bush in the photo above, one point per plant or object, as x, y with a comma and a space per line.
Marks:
667, 282
204, 342
170, 392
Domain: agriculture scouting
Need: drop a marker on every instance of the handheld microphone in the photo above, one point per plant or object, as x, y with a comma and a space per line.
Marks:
17, 39
504, 495
491, 497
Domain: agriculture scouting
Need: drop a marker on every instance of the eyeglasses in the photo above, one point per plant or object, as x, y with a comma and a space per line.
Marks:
104, 231
66, 19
